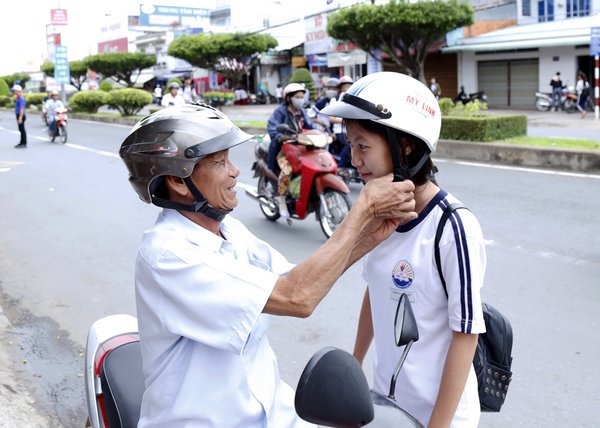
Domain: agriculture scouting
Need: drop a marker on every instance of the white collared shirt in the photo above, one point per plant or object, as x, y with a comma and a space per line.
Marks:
207, 359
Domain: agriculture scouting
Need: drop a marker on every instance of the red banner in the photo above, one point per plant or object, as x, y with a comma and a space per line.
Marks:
58, 16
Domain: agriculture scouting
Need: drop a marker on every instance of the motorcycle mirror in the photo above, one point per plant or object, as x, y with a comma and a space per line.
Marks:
405, 333
284, 128
405, 325
333, 391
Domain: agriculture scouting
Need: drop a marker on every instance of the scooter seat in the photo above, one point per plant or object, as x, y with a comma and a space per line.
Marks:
122, 381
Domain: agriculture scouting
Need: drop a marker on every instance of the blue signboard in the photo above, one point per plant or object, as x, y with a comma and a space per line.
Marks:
595, 41
169, 16
62, 72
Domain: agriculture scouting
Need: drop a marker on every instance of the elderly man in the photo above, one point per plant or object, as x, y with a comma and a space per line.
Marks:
206, 286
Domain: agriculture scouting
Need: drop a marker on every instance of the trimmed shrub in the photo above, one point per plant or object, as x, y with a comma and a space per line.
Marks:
483, 127
106, 86
4, 100
36, 99
88, 101
128, 101
4, 89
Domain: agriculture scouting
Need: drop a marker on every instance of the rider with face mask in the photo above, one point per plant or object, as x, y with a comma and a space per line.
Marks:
292, 114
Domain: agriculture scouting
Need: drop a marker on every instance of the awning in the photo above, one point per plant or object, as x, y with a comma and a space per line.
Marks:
568, 32
288, 35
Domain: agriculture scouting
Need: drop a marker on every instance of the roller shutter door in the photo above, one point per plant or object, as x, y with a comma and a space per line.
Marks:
510, 83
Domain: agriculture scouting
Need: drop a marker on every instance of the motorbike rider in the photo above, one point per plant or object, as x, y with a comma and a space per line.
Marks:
393, 124
291, 113
173, 97
51, 105
205, 284
340, 148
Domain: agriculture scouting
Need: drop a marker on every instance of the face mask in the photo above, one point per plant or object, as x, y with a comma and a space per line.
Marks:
297, 103
330, 93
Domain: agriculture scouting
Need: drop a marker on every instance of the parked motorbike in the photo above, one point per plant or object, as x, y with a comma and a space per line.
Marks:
314, 186
465, 98
333, 391
568, 100
60, 127
114, 380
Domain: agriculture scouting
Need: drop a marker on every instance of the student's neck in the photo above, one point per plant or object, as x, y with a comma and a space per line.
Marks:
424, 193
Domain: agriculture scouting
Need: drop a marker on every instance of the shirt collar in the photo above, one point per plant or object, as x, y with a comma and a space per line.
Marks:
194, 232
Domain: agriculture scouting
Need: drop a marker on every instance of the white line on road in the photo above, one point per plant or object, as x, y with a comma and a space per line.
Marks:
523, 169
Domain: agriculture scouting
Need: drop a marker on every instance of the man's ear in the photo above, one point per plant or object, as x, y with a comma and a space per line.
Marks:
176, 186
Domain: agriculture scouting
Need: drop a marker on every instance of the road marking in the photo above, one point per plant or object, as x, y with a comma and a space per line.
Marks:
522, 169
87, 149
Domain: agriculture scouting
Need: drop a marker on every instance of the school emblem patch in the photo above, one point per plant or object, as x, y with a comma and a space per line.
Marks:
403, 274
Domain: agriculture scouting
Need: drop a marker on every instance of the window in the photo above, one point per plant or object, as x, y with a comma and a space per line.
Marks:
526, 9
578, 8
545, 10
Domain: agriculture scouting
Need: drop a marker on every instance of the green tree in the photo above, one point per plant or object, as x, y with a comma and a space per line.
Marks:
122, 67
230, 54
4, 88
78, 70
403, 30
11, 79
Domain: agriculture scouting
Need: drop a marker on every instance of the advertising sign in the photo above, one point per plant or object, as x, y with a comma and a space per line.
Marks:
595, 41
58, 16
316, 38
170, 16
62, 72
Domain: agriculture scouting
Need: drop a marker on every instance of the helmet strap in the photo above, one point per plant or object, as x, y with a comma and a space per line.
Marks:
200, 204
399, 158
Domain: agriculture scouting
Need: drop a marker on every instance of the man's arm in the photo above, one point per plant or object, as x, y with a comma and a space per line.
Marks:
381, 206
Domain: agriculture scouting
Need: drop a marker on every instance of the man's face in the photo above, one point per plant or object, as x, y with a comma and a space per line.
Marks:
216, 177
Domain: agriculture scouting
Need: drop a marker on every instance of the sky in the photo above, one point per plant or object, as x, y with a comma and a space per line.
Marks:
23, 36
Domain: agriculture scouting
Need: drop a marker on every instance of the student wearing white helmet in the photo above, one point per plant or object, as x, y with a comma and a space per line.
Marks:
291, 113
393, 124
206, 286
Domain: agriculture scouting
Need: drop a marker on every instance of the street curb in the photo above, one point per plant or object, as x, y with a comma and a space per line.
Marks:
527, 156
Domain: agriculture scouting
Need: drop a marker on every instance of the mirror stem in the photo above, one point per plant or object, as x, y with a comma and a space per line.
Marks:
397, 369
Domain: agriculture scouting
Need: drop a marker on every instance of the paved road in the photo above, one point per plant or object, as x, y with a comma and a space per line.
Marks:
542, 271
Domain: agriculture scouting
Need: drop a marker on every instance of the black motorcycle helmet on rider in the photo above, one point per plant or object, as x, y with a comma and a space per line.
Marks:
171, 142
404, 106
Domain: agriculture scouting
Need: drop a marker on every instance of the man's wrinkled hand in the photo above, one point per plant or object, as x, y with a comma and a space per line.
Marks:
387, 199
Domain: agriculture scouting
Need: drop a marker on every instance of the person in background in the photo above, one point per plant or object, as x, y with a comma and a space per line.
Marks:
340, 147
330, 92
158, 93
292, 114
557, 86
393, 124
206, 287
435, 88
20, 108
51, 105
173, 97
188, 90
583, 91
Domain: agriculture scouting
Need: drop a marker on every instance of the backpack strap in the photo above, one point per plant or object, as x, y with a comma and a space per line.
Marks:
438, 236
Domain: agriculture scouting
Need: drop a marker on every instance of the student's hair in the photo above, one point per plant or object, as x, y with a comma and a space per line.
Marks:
427, 171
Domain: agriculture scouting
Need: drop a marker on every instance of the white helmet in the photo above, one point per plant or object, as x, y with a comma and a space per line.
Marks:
293, 87
346, 79
17, 88
395, 100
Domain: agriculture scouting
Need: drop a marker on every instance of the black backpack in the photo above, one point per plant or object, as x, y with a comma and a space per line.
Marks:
493, 357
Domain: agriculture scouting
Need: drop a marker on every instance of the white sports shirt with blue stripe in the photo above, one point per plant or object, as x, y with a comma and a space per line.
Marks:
405, 263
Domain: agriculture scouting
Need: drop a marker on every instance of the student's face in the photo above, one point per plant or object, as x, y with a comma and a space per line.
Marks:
370, 152
216, 177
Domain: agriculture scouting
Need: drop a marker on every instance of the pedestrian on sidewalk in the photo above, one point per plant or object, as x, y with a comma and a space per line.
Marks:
557, 86
20, 107
583, 91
